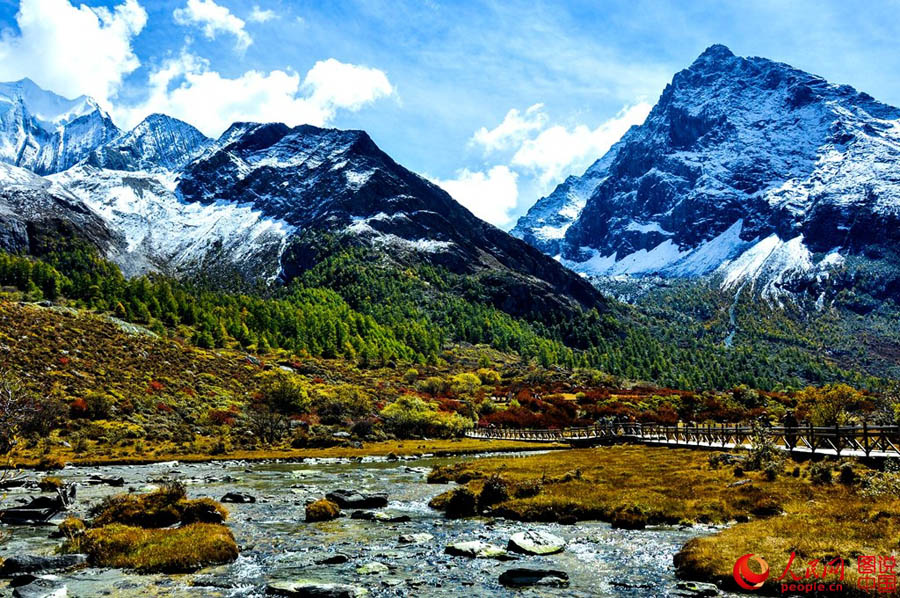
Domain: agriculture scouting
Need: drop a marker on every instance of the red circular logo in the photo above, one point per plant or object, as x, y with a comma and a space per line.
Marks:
746, 577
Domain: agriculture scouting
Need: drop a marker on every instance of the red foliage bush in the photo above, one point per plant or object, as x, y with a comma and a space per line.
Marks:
164, 408
78, 408
155, 386
221, 417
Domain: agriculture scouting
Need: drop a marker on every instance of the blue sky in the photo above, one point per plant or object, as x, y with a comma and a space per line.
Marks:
432, 81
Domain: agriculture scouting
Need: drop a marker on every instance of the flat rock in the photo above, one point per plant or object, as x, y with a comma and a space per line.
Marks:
476, 549
536, 542
519, 578
695, 589
42, 588
305, 589
30, 563
349, 499
373, 568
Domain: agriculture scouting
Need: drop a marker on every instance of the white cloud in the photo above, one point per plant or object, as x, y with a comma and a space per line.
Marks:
258, 15
491, 196
558, 151
514, 129
187, 88
72, 51
214, 19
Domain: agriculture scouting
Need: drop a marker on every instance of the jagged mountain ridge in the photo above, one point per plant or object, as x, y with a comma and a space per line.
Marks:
158, 143
47, 133
252, 202
747, 170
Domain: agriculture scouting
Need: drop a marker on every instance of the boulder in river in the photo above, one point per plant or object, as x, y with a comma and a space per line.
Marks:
30, 563
415, 538
476, 549
349, 499
519, 578
308, 589
238, 498
536, 542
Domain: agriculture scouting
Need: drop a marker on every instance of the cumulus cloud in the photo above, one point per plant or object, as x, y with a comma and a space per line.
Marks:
72, 51
558, 151
187, 87
258, 15
514, 129
491, 196
213, 19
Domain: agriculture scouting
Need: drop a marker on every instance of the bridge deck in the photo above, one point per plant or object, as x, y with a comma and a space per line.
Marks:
879, 442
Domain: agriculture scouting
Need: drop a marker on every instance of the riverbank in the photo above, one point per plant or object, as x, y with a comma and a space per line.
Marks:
815, 510
164, 453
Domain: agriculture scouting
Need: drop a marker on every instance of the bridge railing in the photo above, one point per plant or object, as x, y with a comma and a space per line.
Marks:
863, 440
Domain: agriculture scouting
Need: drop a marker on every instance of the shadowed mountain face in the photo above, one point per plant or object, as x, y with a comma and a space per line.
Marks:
746, 169
340, 182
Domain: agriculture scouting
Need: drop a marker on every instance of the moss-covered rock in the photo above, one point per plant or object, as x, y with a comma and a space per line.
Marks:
322, 510
178, 550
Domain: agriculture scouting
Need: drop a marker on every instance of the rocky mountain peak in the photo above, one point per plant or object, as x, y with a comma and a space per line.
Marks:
739, 155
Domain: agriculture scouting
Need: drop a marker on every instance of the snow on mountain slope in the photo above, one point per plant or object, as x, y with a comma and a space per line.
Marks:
34, 210
46, 133
162, 233
746, 168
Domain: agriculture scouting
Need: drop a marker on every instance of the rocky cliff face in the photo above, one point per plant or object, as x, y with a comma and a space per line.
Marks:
746, 169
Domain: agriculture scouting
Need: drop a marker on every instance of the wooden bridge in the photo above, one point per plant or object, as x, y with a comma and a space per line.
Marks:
866, 441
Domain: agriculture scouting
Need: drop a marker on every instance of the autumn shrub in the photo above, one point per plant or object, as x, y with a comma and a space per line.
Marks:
411, 416
820, 473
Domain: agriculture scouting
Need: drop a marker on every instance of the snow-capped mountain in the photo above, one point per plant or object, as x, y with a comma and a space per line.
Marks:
158, 143
46, 133
163, 197
746, 169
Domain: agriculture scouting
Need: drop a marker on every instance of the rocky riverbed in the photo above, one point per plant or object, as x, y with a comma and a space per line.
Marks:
399, 552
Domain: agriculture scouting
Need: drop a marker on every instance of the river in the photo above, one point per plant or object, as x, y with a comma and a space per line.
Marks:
276, 543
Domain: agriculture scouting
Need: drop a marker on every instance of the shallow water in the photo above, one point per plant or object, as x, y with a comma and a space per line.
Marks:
276, 543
